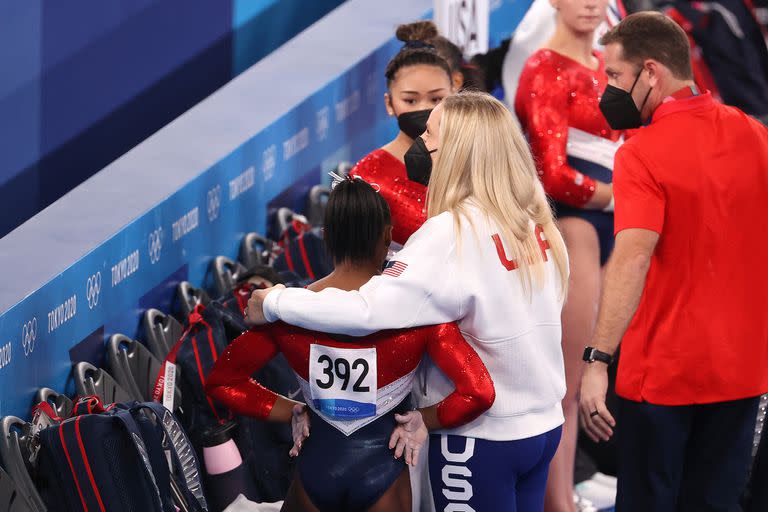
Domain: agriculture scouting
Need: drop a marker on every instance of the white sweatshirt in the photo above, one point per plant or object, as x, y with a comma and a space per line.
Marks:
440, 279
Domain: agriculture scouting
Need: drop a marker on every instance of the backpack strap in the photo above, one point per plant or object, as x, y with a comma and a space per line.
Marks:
46, 409
288, 258
182, 454
86, 405
193, 319
134, 432
201, 371
305, 257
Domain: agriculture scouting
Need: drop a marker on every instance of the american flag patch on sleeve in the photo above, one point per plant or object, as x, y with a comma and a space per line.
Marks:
395, 268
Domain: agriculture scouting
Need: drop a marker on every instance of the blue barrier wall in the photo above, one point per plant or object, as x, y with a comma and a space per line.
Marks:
83, 82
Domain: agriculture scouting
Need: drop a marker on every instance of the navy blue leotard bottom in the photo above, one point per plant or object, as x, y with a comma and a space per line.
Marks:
350, 473
600, 220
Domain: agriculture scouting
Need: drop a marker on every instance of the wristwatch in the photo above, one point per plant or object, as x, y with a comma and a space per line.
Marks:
591, 354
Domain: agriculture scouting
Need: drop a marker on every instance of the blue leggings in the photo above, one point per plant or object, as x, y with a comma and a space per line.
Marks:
469, 474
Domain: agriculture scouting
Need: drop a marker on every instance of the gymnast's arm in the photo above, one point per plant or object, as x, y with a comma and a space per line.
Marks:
543, 104
230, 382
474, 393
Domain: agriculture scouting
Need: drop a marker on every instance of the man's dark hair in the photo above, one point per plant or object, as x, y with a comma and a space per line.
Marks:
355, 219
651, 35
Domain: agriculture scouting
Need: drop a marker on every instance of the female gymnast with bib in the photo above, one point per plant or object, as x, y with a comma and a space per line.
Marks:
354, 388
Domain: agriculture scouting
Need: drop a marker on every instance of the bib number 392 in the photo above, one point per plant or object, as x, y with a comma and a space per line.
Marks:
342, 369
343, 381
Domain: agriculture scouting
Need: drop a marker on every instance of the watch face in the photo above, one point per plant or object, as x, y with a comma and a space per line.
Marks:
589, 354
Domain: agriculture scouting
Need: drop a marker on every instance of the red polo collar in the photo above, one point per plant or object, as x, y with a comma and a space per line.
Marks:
683, 103
685, 92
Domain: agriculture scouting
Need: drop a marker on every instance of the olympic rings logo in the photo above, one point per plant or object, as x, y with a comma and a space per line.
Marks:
269, 162
155, 245
214, 203
93, 290
29, 335
323, 123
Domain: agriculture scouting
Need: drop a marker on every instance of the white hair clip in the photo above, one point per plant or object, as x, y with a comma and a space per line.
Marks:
335, 179
338, 178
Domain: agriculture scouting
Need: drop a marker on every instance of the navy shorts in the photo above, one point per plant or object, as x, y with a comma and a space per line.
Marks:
504, 476
350, 473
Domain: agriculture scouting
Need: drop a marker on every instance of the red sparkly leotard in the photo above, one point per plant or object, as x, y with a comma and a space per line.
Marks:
406, 198
398, 354
557, 102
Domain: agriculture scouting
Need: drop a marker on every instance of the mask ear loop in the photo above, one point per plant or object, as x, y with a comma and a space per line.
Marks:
642, 106
636, 79
646, 99
424, 143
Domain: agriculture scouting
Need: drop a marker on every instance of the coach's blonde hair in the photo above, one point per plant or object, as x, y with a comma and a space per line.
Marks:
484, 158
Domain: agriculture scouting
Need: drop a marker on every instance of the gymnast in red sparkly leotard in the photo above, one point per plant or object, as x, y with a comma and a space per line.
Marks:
557, 103
558, 97
353, 387
417, 80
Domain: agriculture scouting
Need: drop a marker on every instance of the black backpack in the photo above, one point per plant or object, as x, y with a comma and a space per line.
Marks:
114, 459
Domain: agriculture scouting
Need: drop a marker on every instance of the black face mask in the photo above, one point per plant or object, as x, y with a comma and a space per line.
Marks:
418, 162
413, 124
619, 108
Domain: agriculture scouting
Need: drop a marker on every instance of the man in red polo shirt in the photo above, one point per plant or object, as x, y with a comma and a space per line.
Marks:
686, 290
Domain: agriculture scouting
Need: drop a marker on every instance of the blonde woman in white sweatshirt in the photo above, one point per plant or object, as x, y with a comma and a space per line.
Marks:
491, 258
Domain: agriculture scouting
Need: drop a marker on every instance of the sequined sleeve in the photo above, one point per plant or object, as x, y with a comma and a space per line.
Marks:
230, 382
542, 105
474, 393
